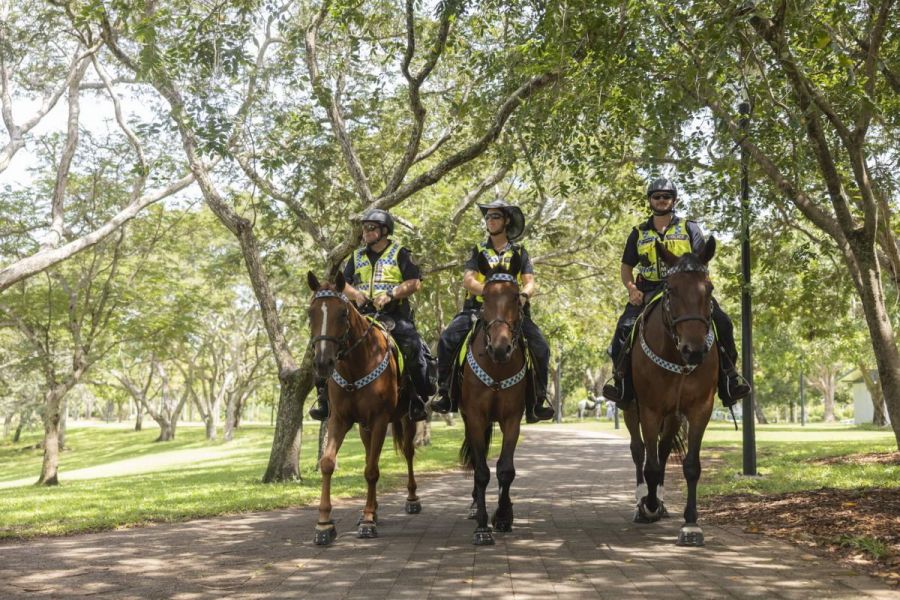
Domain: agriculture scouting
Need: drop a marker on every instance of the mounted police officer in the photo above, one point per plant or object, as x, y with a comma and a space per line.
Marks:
680, 237
505, 223
381, 277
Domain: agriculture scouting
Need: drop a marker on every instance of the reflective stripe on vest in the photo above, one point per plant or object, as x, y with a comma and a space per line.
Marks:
376, 281
495, 259
677, 241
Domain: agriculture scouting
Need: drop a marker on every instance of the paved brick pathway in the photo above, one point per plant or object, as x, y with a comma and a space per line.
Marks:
572, 538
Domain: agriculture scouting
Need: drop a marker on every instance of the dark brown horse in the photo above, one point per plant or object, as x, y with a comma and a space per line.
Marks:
493, 390
363, 387
675, 377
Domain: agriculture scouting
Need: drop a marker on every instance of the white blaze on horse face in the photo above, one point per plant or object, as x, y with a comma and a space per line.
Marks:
324, 327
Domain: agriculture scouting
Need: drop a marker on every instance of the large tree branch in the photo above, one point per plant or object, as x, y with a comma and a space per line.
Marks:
473, 150
473, 195
873, 50
329, 101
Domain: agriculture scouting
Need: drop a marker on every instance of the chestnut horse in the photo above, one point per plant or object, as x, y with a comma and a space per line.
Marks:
675, 377
493, 390
363, 387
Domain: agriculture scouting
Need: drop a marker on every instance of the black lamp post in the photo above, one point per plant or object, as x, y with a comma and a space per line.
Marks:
749, 422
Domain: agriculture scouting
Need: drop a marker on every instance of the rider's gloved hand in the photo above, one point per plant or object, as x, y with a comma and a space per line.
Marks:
381, 301
362, 299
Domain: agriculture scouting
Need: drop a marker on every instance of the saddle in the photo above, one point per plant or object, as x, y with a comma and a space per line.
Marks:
386, 324
456, 369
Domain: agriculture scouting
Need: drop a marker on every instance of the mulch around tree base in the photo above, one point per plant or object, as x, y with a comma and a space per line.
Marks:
860, 527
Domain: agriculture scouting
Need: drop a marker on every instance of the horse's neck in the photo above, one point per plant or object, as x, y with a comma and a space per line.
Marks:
359, 325
656, 335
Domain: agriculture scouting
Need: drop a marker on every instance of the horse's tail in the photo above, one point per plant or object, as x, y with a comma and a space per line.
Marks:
679, 442
404, 429
466, 456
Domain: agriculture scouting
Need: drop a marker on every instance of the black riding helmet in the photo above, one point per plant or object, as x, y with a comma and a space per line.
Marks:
382, 217
662, 184
516, 225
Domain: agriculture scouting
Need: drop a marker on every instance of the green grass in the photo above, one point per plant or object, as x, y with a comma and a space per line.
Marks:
226, 479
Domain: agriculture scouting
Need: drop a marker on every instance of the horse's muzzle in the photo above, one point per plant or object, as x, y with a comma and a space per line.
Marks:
324, 366
500, 353
692, 355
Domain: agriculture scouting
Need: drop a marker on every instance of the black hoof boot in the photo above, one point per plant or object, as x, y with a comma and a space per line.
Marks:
501, 524
443, 404
690, 535
325, 533
413, 507
367, 530
483, 537
644, 515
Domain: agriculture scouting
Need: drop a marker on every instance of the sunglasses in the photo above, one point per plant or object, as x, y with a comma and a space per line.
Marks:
493, 216
662, 197
371, 227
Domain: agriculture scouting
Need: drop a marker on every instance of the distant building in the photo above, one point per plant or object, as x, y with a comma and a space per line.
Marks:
863, 408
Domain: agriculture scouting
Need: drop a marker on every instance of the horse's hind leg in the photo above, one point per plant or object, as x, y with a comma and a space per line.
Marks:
506, 473
637, 452
691, 534
325, 530
413, 506
373, 440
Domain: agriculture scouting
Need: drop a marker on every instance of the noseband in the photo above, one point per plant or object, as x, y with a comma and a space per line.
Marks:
517, 330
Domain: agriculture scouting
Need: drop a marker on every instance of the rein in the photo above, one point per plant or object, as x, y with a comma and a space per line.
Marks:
344, 347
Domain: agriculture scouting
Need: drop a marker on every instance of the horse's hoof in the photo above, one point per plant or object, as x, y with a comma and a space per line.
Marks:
325, 534
413, 507
663, 511
502, 526
367, 530
483, 537
690, 535
645, 514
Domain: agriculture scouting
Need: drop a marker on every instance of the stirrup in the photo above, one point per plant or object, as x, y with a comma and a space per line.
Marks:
417, 410
539, 412
442, 404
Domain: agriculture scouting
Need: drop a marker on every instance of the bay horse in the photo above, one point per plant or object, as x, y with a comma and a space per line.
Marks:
494, 391
355, 356
675, 377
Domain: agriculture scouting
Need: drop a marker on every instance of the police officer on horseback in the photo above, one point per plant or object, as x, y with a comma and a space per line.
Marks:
381, 276
680, 237
505, 223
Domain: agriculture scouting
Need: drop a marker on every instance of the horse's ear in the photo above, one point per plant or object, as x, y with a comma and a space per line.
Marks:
339, 282
484, 266
709, 250
313, 281
668, 258
515, 264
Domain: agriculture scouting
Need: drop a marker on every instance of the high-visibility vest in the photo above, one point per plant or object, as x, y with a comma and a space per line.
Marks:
677, 241
375, 280
495, 258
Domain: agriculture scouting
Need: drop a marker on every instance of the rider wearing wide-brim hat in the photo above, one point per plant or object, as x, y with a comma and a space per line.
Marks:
381, 276
680, 237
505, 223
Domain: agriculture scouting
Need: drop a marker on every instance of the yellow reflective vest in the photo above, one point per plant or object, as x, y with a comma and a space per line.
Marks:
494, 258
677, 240
375, 280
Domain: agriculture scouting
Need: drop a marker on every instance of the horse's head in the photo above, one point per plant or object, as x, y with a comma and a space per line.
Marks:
501, 312
329, 322
687, 302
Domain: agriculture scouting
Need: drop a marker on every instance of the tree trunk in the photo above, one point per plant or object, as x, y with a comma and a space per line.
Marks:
760, 415
284, 460
828, 401
211, 426
7, 424
879, 415
63, 422
166, 431
139, 417
230, 416
52, 418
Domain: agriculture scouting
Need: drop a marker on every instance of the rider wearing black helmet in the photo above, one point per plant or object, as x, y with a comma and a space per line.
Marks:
680, 237
505, 223
381, 276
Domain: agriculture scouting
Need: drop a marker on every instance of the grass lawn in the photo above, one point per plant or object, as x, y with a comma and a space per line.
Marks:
786, 457
112, 477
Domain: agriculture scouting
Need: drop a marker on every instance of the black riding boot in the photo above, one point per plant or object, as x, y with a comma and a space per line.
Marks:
319, 412
732, 386
540, 411
416, 408
443, 404
620, 390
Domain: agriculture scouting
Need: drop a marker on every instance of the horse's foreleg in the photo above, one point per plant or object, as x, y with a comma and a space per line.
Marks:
413, 506
649, 505
691, 534
506, 473
666, 445
476, 437
325, 531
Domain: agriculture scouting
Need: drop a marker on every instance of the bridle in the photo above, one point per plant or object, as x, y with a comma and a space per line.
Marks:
517, 330
669, 320
344, 347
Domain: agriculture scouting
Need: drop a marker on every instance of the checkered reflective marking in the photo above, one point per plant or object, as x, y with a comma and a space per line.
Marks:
501, 277
670, 366
364, 381
487, 379
331, 294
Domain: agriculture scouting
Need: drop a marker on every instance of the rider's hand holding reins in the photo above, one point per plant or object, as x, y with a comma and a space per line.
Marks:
635, 296
381, 301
